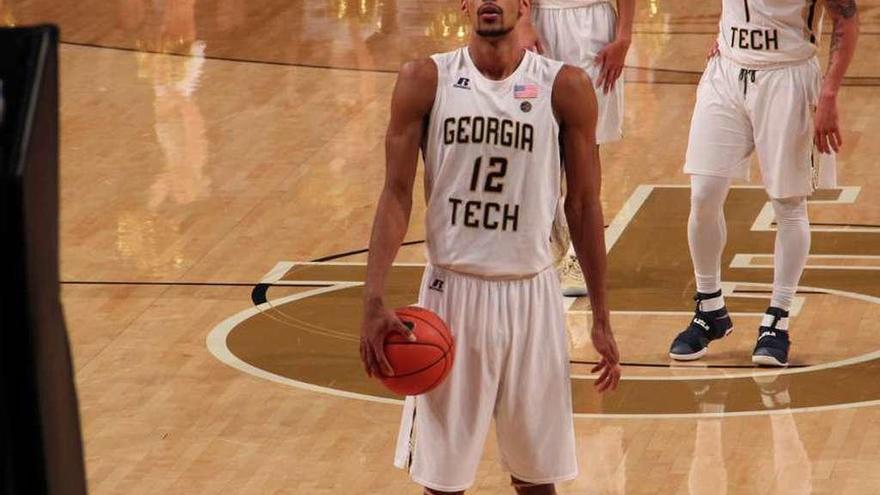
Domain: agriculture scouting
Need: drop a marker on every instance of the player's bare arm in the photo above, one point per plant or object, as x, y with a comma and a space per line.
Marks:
613, 57
574, 103
845, 34
410, 105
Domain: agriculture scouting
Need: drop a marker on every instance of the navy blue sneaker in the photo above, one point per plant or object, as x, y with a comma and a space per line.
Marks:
773, 343
705, 327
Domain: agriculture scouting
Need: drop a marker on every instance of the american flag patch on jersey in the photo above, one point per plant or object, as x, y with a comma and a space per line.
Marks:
525, 90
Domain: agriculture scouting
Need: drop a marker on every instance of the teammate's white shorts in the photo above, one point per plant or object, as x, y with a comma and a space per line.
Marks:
770, 111
511, 363
575, 36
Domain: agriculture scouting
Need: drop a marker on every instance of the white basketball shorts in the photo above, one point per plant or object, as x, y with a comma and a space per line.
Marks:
739, 111
575, 36
511, 364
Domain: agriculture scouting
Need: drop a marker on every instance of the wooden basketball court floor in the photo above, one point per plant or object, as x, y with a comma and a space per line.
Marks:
220, 164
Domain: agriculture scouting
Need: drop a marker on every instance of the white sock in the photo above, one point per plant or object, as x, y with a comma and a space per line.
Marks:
707, 230
792, 249
713, 304
782, 324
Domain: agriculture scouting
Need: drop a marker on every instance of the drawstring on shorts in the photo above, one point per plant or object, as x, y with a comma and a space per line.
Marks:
744, 76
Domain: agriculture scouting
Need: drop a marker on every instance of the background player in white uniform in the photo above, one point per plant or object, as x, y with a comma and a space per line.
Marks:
485, 117
762, 91
591, 35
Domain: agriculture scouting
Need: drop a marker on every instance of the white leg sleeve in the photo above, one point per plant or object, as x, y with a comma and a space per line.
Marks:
792, 248
707, 230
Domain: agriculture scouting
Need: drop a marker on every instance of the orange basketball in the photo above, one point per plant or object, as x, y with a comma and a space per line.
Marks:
421, 365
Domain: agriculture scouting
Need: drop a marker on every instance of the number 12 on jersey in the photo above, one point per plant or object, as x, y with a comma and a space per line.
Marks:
488, 215
498, 169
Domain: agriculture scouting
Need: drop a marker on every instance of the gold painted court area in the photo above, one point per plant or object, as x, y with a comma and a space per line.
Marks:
220, 165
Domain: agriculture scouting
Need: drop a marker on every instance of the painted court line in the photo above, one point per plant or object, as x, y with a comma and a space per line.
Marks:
216, 339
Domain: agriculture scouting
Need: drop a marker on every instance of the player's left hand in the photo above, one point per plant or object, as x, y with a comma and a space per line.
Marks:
527, 38
611, 58
609, 361
827, 136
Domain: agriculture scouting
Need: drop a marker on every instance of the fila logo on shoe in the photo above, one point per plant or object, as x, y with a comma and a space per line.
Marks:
702, 323
767, 334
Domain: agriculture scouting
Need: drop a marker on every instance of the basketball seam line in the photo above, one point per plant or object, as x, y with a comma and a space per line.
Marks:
446, 366
450, 344
442, 357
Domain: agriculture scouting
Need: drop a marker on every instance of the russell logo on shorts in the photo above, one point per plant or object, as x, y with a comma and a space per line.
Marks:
437, 285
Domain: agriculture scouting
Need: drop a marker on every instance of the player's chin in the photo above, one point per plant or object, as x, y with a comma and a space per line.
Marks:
492, 31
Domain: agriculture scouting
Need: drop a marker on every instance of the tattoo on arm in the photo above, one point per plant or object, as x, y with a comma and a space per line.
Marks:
842, 8
836, 36
844, 14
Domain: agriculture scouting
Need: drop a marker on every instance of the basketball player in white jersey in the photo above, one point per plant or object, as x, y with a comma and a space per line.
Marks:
491, 120
763, 91
592, 35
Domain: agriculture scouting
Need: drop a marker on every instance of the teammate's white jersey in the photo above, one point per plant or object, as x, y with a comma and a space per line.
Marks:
565, 4
492, 168
763, 34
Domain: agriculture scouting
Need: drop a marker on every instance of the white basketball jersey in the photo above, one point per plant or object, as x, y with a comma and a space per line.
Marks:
769, 33
492, 168
565, 4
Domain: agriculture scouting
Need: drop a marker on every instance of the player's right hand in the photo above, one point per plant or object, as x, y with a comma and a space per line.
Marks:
827, 129
609, 362
611, 59
378, 322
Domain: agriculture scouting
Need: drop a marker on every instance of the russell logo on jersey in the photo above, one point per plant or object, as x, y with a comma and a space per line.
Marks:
462, 83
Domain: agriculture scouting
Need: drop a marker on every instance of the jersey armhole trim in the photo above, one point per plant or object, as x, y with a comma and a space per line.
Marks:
436, 89
429, 117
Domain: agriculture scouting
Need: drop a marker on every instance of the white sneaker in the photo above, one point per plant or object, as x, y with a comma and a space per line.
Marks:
571, 277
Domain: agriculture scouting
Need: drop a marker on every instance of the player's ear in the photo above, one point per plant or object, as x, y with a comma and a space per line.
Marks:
464, 7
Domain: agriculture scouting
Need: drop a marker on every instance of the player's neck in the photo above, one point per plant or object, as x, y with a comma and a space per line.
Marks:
495, 58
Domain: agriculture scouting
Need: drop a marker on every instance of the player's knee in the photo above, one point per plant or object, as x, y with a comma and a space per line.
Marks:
791, 211
705, 204
526, 488
707, 196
